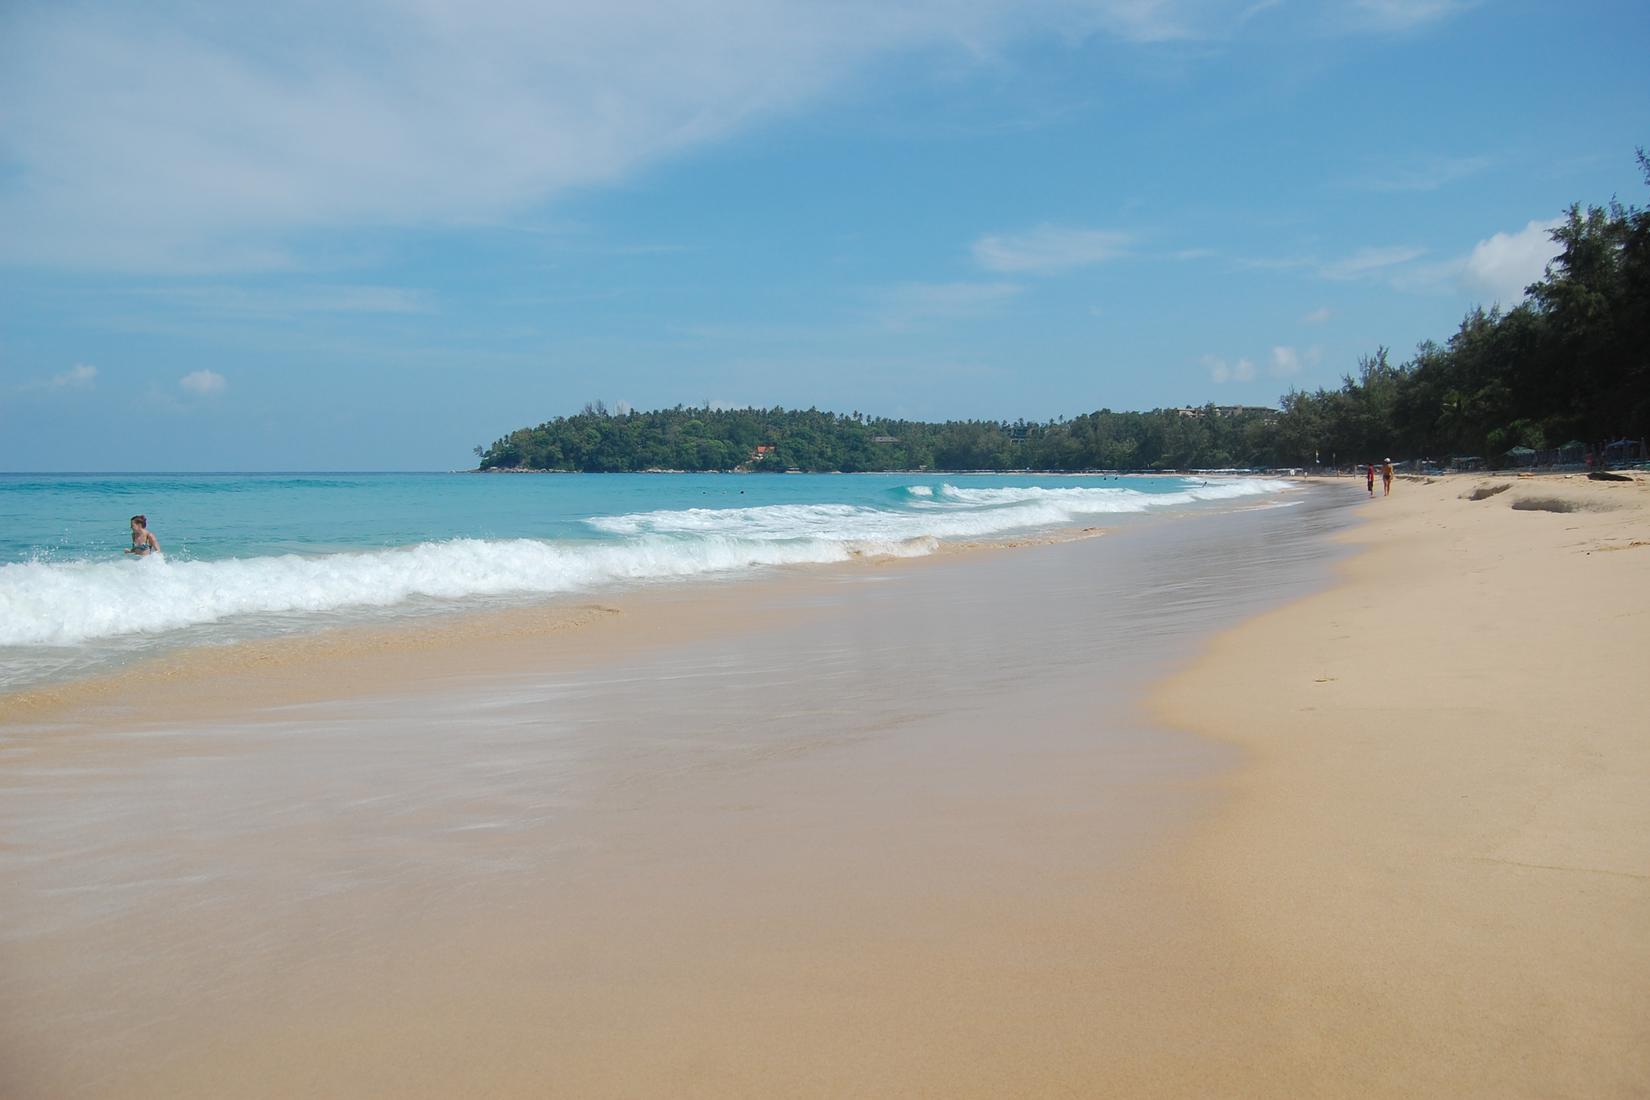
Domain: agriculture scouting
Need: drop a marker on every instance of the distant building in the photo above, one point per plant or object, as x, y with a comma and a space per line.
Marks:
885, 439
1197, 413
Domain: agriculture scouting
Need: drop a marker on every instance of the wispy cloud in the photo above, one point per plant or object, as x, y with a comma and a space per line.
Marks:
274, 303
1289, 361
1284, 361
1319, 316
1403, 15
242, 141
1427, 175
204, 383
1221, 371
245, 140
1370, 261
1276, 263
1259, 7
81, 376
1048, 249
911, 305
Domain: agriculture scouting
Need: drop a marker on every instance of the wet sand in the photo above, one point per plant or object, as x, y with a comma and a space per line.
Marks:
444, 648
874, 830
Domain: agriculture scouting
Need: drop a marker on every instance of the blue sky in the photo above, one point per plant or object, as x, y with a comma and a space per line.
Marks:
370, 236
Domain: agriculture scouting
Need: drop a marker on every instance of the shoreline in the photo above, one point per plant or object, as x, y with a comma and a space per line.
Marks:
468, 640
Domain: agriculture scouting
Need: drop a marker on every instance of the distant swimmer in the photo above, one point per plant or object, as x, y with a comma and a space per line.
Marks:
143, 540
1386, 478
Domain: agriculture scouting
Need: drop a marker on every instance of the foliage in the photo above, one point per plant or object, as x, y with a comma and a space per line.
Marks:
596, 440
1572, 362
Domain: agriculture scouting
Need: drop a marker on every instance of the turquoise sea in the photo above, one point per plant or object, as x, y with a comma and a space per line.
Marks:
247, 555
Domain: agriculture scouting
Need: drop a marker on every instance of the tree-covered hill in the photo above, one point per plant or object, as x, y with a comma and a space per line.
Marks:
1569, 365
781, 439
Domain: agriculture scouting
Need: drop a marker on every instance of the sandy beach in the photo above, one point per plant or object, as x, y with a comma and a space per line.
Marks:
1430, 875
929, 635
914, 830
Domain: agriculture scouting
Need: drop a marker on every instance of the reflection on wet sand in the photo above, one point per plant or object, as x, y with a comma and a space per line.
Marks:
834, 832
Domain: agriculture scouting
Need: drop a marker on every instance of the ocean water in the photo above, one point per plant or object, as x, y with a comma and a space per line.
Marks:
249, 555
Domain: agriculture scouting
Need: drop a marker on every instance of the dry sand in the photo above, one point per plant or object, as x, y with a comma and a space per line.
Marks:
1431, 873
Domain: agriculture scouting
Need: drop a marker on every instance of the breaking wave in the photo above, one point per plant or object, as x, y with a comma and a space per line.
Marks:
60, 603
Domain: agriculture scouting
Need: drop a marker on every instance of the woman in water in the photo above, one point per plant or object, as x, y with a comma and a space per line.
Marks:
143, 541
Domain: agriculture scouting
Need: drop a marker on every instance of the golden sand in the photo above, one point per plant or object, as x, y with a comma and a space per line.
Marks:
1431, 873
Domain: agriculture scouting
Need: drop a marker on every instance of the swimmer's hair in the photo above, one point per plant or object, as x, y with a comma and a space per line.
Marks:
141, 521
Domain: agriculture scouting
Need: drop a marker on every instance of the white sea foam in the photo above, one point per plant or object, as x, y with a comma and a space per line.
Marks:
68, 602
1090, 501
951, 512
56, 603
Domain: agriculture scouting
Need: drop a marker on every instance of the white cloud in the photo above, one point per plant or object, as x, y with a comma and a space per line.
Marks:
1502, 266
1495, 271
1276, 263
204, 383
1427, 175
1048, 249
1370, 261
1288, 361
912, 304
1257, 8
1319, 316
171, 136
1221, 372
81, 376
281, 302
1403, 15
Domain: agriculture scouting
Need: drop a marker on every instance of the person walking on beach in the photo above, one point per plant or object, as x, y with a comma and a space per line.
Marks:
1371, 471
1386, 479
143, 540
